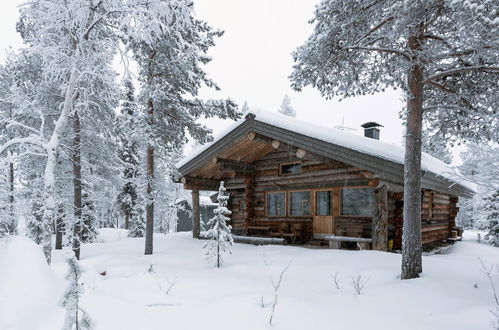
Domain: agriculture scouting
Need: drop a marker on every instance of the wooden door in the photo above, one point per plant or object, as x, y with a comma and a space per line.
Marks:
323, 224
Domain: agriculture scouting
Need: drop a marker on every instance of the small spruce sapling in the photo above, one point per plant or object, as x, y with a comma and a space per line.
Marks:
286, 108
76, 318
219, 237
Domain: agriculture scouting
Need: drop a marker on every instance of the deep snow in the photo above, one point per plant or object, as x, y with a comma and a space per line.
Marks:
452, 294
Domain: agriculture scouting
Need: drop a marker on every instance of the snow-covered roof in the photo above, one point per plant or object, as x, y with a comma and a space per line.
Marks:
365, 145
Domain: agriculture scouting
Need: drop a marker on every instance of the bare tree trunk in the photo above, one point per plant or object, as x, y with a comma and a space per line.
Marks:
59, 223
150, 189
127, 218
411, 237
12, 216
196, 214
77, 202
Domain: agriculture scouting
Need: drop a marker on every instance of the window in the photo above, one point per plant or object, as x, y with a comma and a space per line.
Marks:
299, 203
293, 168
276, 204
323, 202
242, 206
357, 201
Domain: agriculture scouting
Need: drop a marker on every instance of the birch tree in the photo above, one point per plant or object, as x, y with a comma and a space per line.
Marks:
442, 54
76, 52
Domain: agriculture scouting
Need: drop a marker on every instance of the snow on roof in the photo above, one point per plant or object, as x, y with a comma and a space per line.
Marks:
335, 136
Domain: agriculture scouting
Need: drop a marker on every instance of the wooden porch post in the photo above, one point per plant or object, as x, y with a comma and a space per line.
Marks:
380, 220
196, 215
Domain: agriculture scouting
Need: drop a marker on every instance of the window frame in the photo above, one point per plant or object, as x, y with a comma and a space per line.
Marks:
288, 208
290, 163
267, 202
331, 206
341, 203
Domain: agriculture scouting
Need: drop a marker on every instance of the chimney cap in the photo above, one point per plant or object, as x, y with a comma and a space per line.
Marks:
371, 124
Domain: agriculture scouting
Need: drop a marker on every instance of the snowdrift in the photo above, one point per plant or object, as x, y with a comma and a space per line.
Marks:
28, 284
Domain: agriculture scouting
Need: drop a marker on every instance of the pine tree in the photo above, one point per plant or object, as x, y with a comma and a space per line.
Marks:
35, 223
286, 108
137, 225
171, 74
245, 107
441, 54
129, 127
76, 318
481, 166
89, 232
491, 214
219, 236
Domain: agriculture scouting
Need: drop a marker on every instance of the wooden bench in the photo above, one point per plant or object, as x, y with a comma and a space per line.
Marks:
335, 241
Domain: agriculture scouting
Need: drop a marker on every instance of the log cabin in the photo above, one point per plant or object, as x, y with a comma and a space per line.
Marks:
307, 183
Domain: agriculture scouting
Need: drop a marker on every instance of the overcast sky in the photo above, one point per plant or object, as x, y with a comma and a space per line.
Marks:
252, 62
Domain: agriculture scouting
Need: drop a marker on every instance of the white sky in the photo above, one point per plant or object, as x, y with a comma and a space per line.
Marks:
252, 62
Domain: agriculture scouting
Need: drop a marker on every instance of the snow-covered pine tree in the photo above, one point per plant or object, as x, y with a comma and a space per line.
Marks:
441, 54
75, 53
76, 318
89, 232
34, 226
481, 166
128, 129
170, 61
137, 223
491, 214
245, 108
219, 236
286, 108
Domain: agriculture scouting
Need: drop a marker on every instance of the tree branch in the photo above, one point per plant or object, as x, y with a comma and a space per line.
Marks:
34, 140
382, 50
451, 72
374, 29
29, 128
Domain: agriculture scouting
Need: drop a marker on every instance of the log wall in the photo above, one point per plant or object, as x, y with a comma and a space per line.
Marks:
315, 175
247, 200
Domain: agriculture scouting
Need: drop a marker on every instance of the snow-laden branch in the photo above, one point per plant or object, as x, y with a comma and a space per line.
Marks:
375, 28
34, 140
13, 123
483, 68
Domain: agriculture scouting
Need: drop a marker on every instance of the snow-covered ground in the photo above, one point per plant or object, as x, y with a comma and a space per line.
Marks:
452, 293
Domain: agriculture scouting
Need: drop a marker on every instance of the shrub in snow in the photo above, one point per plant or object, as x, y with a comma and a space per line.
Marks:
219, 237
336, 280
277, 286
76, 318
358, 284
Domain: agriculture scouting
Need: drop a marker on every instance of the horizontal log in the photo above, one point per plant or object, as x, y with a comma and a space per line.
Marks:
193, 183
335, 238
251, 239
230, 165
